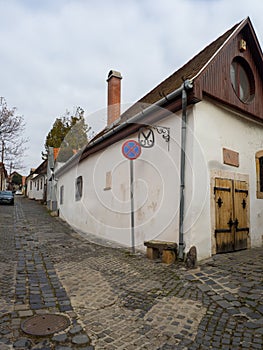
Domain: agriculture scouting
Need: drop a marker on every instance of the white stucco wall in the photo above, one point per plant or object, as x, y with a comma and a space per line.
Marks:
38, 190
106, 213
217, 128
30, 187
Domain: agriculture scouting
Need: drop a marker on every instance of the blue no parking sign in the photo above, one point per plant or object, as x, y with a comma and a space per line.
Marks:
131, 149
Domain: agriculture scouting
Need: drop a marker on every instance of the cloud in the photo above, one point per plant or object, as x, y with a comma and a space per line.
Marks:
56, 54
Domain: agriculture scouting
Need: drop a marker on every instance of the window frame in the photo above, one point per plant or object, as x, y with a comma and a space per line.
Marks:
238, 67
259, 174
78, 188
61, 195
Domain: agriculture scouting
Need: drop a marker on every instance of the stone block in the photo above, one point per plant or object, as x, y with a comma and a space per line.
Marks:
168, 256
25, 313
152, 253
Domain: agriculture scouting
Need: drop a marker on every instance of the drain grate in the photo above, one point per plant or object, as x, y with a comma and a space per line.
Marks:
45, 324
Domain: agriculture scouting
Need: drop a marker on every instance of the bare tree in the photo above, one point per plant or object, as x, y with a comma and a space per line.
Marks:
12, 143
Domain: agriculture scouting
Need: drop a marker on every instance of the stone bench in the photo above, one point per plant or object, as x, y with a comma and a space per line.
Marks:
161, 249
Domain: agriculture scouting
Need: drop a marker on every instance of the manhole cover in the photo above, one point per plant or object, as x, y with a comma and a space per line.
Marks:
45, 324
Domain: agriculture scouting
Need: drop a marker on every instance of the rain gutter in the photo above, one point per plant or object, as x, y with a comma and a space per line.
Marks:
117, 127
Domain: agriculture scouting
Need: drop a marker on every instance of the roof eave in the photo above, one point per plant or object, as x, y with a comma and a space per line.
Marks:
244, 22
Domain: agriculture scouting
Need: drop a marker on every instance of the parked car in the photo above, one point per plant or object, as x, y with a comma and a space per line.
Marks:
6, 197
19, 192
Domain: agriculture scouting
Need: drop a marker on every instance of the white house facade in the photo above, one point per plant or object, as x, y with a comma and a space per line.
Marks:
199, 178
37, 182
38, 191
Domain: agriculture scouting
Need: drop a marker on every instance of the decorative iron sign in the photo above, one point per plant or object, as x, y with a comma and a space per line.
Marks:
146, 137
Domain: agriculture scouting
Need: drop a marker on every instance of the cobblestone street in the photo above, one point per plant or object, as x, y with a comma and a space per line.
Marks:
115, 300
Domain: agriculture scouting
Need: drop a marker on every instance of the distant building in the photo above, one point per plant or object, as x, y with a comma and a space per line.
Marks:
51, 183
37, 182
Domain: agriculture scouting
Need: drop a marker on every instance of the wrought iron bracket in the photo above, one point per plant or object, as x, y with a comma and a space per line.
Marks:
165, 132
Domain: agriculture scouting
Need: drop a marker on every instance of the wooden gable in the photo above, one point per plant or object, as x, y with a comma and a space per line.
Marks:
215, 78
209, 71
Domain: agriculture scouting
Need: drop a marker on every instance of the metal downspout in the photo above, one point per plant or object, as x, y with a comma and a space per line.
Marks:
187, 85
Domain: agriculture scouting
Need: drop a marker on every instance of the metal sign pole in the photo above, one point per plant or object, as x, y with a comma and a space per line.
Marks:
132, 207
131, 149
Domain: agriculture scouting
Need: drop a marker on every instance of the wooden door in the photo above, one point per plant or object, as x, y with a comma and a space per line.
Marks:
224, 215
231, 209
241, 214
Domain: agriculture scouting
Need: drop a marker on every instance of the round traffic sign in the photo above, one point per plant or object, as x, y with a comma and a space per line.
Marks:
131, 149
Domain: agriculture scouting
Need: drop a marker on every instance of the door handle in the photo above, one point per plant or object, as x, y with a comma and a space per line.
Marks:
230, 223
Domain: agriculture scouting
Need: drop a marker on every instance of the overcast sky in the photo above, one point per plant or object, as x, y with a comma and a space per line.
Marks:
56, 54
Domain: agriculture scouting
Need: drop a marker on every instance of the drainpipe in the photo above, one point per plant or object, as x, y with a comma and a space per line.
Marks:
187, 85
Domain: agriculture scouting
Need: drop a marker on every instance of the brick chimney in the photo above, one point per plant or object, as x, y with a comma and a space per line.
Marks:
114, 96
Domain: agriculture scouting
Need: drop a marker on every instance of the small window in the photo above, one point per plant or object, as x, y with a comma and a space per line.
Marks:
37, 185
79, 188
242, 79
41, 184
61, 196
261, 174
259, 171
30, 185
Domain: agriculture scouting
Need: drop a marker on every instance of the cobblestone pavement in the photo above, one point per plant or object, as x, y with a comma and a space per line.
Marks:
115, 300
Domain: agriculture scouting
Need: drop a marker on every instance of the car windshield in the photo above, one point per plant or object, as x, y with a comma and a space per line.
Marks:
6, 193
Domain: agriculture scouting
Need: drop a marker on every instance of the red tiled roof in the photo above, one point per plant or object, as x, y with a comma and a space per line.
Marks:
56, 152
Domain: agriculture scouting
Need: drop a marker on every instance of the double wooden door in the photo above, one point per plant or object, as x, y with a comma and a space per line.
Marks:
231, 215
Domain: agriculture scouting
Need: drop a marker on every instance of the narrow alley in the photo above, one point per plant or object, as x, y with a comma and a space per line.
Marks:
103, 297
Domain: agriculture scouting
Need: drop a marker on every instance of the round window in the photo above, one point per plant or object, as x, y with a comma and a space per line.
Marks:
242, 79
